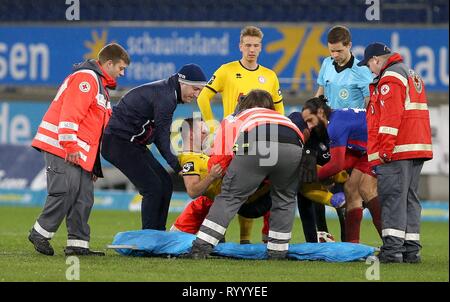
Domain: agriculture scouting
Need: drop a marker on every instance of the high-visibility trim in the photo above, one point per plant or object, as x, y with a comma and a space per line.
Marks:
48, 140
277, 246
393, 232
53, 142
413, 147
214, 226
83, 145
101, 101
279, 235
412, 236
49, 126
67, 137
373, 156
208, 238
416, 106
78, 243
83, 156
68, 125
37, 227
397, 76
388, 130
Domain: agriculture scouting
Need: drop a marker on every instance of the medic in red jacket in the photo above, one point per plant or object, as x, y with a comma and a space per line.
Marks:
398, 120
77, 116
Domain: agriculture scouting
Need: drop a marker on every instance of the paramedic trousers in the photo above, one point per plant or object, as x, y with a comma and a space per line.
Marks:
244, 175
70, 195
398, 182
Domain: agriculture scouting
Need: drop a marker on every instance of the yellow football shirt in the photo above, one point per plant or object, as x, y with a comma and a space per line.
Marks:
197, 164
233, 80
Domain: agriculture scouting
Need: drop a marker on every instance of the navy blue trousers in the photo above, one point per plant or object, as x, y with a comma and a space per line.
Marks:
148, 176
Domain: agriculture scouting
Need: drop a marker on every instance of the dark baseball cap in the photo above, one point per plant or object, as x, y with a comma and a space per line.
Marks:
372, 50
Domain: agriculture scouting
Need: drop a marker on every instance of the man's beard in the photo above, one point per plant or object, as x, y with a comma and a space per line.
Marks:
321, 130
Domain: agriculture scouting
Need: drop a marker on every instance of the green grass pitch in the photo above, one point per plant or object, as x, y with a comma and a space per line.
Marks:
19, 261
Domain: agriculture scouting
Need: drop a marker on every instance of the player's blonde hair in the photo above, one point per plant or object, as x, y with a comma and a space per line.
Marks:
251, 31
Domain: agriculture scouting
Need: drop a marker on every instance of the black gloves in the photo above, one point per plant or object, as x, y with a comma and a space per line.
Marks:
308, 170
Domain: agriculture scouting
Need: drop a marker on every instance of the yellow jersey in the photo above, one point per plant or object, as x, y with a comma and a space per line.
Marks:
233, 80
197, 164
194, 163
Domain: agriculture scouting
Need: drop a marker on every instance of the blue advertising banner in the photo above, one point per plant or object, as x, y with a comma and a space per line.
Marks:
43, 55
19, 120
131, 201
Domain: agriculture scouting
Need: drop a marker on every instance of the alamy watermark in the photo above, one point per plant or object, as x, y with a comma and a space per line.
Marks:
73, 11
373, 11
373, 271
230, 138
73, 271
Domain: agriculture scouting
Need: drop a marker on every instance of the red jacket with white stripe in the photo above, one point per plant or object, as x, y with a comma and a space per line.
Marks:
398, 120
75, 120
232, 126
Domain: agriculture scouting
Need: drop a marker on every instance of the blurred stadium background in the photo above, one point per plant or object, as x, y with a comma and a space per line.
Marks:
38, 46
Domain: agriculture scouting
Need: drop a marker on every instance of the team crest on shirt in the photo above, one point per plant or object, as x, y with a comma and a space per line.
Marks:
385, 89
211, 80
188, 167
84, 86
261, 79
343, 94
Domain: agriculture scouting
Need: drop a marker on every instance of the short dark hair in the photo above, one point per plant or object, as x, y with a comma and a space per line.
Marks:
114, 52
316, 103
338, 34
189, 122
256, 98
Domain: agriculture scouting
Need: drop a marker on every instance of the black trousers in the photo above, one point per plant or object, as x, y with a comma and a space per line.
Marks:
148, 176
308, 218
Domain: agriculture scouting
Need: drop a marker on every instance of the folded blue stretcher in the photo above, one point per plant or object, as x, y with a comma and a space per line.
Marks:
163, 244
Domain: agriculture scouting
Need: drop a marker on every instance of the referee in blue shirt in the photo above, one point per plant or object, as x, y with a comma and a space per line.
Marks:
341, 80
345, 85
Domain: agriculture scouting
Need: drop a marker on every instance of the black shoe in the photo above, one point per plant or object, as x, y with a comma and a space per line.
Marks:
383, 258
275, 255
80, 251
245, 242
199, 251
411, 258
41, 244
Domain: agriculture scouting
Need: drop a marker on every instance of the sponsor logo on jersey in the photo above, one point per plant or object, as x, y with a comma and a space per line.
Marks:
211, 80
188, 167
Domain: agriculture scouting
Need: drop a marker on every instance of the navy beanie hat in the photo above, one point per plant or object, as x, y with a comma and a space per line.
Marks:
191, 74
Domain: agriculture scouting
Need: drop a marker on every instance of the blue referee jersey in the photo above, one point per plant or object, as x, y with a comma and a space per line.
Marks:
346, 88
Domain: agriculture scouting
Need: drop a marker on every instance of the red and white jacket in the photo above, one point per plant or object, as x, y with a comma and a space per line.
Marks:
398, 120
232, 126
80, 111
